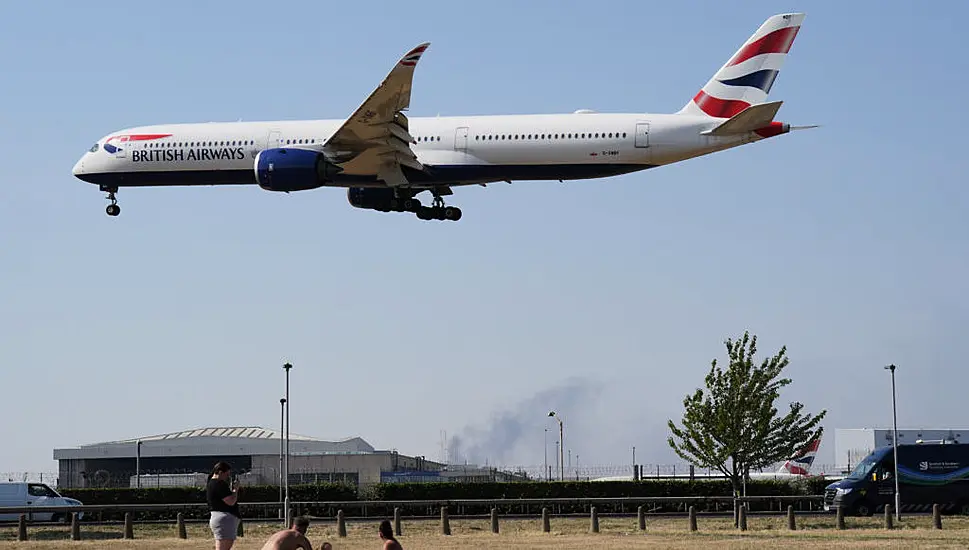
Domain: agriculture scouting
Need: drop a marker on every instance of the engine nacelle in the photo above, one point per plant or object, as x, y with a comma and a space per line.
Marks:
293, 170
370, 198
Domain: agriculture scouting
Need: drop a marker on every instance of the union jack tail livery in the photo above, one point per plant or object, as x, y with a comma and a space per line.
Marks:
746, 78
800, 463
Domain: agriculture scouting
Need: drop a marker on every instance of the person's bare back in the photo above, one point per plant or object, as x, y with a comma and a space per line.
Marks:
289, 539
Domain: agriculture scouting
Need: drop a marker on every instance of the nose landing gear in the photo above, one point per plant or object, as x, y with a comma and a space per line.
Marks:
113, 209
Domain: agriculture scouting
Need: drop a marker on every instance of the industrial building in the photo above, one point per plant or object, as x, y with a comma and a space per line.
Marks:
185, 458
854, 444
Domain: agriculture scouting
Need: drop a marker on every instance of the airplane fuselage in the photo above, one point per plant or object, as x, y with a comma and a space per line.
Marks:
456, 150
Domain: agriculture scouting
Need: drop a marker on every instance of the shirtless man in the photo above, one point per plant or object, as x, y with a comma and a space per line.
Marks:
291, 539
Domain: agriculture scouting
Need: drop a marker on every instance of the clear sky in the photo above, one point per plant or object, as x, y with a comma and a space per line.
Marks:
604, 300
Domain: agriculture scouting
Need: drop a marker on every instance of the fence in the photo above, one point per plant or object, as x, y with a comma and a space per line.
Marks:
454, 472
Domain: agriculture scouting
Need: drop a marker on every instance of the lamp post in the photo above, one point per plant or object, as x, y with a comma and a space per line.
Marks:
545, 470
898, 497
286, 512
138, 464
282, 428
561, 446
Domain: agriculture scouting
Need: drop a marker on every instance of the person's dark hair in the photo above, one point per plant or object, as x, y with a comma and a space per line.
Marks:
221, 467
386, 531
302, 522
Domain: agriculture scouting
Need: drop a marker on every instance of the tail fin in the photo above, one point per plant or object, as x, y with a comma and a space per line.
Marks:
746, 78
800, 463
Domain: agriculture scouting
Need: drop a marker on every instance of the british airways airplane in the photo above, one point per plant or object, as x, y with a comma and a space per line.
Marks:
386, 159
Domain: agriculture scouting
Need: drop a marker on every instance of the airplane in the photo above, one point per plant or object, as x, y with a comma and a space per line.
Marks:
798, 466
385, 159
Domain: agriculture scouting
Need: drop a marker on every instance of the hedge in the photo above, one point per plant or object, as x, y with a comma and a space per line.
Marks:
338, 492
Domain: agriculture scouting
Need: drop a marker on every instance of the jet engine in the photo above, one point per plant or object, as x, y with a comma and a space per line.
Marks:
293, 170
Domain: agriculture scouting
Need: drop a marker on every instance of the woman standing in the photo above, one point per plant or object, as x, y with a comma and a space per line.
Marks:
387, 535
223, 506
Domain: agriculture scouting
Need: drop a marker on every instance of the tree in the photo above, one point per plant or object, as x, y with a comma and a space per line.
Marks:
735, 428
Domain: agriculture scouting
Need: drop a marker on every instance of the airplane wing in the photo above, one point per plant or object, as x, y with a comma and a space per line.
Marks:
375, 140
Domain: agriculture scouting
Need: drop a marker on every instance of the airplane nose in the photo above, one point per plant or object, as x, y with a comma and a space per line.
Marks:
78, 168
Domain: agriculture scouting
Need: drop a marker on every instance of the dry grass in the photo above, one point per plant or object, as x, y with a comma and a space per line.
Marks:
764, 532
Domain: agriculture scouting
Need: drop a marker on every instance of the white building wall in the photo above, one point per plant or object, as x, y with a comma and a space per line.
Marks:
853, 445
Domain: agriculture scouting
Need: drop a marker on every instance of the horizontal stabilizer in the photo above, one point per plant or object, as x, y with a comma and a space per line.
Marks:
750, 119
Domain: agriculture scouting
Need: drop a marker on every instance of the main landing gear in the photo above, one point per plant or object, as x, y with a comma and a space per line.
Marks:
113, 209
438, 211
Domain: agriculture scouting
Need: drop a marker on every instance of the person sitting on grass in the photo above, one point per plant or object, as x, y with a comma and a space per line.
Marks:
387, 535
293, 538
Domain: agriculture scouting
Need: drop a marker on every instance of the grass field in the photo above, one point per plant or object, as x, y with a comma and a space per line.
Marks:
763, 532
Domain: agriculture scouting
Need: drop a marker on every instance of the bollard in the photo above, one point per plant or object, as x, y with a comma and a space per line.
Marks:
240, 532
397, 522
129, 531
692, 518
494, 520
790, 518
841, 517
75, 527
341, 524
936, 516
594, 527
641, 516
22, 528
889, 517
445, 522
546, 525
742, 518
180, 524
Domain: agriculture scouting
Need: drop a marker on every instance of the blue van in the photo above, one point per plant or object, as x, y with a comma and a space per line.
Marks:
929, 473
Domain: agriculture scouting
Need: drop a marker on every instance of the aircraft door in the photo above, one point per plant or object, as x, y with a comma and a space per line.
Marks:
461, 139
275, 139
642, 134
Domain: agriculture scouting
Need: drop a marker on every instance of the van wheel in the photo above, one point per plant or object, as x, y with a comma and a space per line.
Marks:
57, 518
862, 509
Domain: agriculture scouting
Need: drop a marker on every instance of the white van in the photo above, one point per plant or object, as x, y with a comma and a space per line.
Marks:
34, 494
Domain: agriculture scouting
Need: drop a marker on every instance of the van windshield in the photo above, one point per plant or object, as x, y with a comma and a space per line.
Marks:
863, 468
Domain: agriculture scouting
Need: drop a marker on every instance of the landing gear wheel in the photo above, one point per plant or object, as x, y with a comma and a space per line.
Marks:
452, 213
113, 209
425, 213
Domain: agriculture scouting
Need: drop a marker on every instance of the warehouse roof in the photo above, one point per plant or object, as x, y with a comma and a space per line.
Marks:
214, 441
248, 432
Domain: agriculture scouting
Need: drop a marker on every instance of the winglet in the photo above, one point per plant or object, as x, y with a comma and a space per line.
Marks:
411, 58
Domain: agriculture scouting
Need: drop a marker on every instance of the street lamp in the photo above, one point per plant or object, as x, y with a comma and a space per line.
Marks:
898, 498
286, 512
561, 446
545, 470
282, 428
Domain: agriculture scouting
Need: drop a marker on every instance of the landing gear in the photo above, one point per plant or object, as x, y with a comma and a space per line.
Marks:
113, 209
439, 212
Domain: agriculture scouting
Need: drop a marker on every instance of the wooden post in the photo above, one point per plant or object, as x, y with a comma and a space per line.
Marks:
742, 517
445, 522
594, 527
641, 516
129, 531
889, 517
692, 518
341, 524
180, 525
790, 518
397, 522
936, 516
22, 528
494, 520
841, 517
240, 532
75, 527
546, 524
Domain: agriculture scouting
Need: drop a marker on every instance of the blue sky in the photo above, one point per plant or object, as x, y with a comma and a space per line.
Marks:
605, 299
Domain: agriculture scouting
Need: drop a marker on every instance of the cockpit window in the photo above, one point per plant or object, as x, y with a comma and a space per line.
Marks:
94, 148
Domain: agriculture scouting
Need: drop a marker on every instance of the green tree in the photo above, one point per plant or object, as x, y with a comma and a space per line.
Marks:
735, 426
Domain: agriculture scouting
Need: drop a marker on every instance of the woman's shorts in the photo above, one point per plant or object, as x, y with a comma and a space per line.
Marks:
223, 525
